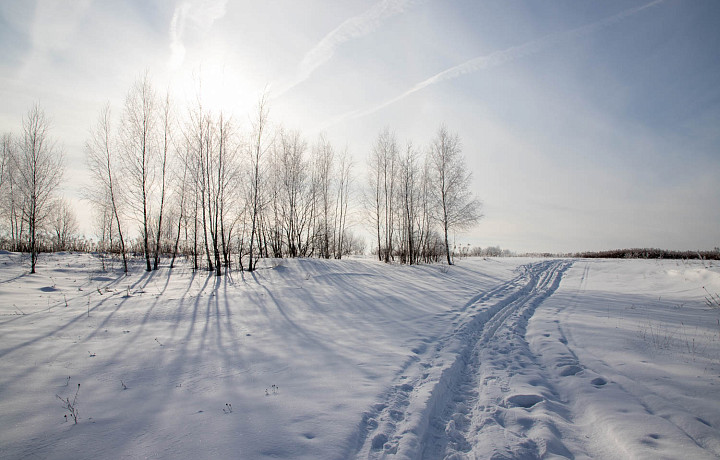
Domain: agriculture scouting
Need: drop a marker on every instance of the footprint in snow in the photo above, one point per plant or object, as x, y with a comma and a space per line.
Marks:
419, 349
570, 370
524, 401
379, 441
406, 387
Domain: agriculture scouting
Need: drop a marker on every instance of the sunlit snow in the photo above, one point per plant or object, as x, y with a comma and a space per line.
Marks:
315, 359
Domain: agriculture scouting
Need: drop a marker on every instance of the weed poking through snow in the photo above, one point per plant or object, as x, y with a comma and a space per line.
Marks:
71, 406
712, 300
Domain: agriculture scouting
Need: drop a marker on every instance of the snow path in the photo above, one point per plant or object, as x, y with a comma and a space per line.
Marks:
444, 407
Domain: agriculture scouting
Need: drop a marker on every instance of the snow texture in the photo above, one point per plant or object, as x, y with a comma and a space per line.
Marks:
318, 359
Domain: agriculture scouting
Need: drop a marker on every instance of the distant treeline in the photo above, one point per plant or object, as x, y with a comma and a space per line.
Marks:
651, 254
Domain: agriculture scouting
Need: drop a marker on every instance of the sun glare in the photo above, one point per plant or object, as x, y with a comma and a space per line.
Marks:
216, 85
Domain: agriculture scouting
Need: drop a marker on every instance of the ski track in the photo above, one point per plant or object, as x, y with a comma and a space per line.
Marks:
453, 400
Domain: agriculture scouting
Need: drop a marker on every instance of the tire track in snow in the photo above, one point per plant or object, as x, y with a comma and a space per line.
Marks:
418, 415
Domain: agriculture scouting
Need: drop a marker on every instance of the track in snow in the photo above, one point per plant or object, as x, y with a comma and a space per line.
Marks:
456, 399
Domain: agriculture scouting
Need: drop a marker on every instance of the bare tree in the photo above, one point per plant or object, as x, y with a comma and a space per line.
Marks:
228, 173
373, 198
7, 160
383, 171
196, 143
167, 132
426, 235
275, 212
323, 160
344, 182
139, 127
101, 161
219, 169
182, 190
6, 156
409, 197
63, 224
456, 207
40, 167
13, 204
292, 171
103, 220
258, 149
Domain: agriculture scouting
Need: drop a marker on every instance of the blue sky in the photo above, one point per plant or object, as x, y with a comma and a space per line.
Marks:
588, 125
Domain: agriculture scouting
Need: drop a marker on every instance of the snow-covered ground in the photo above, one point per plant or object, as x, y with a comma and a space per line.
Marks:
315, 359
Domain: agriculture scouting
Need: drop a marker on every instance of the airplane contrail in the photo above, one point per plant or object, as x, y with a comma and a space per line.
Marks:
354, 27
499, 58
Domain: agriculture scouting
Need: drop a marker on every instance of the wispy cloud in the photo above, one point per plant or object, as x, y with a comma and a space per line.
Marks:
200, 14
177, 27
499, 58
53, 29
352, 28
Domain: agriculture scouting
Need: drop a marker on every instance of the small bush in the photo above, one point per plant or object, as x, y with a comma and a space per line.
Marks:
71, 406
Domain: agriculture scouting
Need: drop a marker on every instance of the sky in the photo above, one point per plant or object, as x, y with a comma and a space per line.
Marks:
587, 125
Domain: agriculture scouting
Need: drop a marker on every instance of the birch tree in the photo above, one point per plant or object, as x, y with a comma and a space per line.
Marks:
6, 156
382, 167
167, 133
455, 206
409, 196
258, 148
343, 185
40, 168
10, 201
102, 162
323, 159
139, 126
295, 205
63, 224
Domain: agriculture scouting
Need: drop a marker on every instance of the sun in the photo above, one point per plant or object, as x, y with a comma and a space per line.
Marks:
217, 84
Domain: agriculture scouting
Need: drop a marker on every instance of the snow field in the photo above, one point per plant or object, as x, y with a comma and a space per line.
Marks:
331, 335
492, 358
637, 394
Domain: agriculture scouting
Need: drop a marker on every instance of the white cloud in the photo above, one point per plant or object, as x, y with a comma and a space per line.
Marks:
199, 14
177, 27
